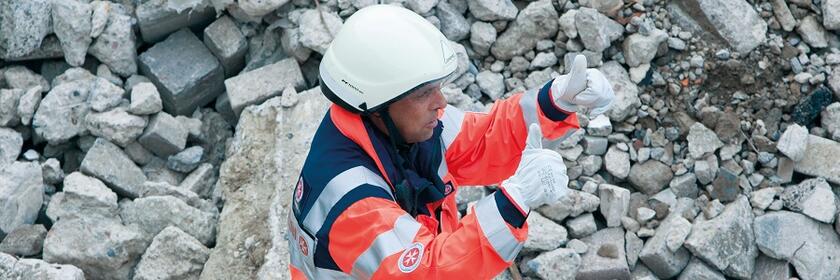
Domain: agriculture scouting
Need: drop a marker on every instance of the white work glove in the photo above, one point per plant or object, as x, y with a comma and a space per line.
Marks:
582, 87
541, 175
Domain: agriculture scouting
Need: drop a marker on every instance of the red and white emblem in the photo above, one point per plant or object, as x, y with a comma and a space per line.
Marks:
299, 190
410, 258
302, 244
448, 189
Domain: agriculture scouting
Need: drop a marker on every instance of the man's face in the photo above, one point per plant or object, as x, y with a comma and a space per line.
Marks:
416, 114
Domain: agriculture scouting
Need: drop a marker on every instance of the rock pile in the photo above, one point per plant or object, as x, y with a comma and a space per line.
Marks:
153, 139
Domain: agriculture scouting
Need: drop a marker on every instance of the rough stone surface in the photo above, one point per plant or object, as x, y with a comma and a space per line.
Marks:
617, 162
153, 214
13, 268
651, 176
145, 99
660, 259
83, 196
249, 180
831, 14
61, 113
117, 46
492, 10
809, 245
812, 197
771, 269
561, 264
316, 35
543, 234
640, 49
184, 71
735, 21
9, 99
615, 202
110, 164
256, 86
72, 25
21, 195
25, 240
11, 143
596, 30
491, 84
91, 245
697, 269
793, 142
164, 136
626, 92
595, 266
726, 242
809, 108
227, 43
117, 126
173, 254
23, 24
536, 22
482, 36
156, 18
702, 141
186, 160
573, 204
820, 159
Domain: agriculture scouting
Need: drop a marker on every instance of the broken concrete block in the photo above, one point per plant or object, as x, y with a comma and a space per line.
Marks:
110, 164
227, 43
157, 19
184, 71
164, 136
820, 159
259, 85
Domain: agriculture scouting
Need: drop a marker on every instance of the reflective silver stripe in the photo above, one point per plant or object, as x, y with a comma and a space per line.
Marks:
306, 263
452, 119
443, 169
495, 229
386, 244
528, 103
340, 185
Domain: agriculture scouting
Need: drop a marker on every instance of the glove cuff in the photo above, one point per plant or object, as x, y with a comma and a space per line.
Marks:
511, 191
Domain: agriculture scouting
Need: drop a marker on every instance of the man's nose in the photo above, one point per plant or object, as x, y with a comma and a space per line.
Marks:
439, 101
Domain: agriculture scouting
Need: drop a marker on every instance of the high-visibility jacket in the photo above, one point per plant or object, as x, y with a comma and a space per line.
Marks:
346, 223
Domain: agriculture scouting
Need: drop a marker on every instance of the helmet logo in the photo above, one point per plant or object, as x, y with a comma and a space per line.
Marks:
448, 55
352, 86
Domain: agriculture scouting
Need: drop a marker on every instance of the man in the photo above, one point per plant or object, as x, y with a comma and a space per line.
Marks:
376, 196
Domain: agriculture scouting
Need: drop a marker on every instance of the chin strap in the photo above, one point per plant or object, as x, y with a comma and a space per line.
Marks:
406, 193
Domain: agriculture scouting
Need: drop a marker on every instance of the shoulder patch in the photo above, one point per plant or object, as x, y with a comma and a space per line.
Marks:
410, 258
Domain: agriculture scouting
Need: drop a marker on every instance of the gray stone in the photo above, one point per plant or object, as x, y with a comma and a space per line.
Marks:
483, 35
117, 46
138, 154
164, 136
684, 185
820, 159
51, 169
25, 240
543, 234
680, 229
626, 100
23, 26
560, 264
830, 120
812, 32
812, 197
771, 269
567, 23
595, 266
793, 142
28, 103
783, 14
201, 180
492, 10
184, 71
572, 204
536, 22
145, 99
21, 195
154, 213
116, 126
590, 164
809, 245
156, 171
104, 95
257, 86
656, 255
103, 249
251, 193
11, 143
596, 30
156, 19
762, 198
13, 268
641, 272
617, 162
651, 176
594, 145
582, 226
607, 7
706, 170
20, 77
735, 21
697, 269
110, 164
453, 24
726, 186
173, 254
60, 115
641, 49
599, 126
633, 247
615, 202
726, 242
83, 196
702, 141
227, 43
578, 246
290, 40
317, 29
100, 10
185, 195
8, 106
831, 14
72, 25
186, 160
491, 84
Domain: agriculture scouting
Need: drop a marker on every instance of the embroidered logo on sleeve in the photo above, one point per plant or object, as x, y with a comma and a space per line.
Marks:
299, 191
410, 258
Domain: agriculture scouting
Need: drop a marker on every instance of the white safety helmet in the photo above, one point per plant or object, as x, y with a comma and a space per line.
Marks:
382, 53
